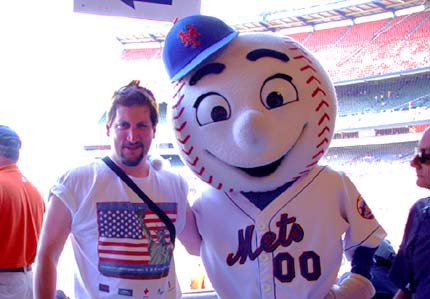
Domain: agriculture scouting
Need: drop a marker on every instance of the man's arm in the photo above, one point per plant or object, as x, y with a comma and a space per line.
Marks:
55, 230
190, 236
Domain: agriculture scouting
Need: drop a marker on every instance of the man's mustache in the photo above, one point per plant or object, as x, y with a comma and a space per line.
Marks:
132, 145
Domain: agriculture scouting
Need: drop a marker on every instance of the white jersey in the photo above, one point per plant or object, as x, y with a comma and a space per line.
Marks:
122, 248
291, 249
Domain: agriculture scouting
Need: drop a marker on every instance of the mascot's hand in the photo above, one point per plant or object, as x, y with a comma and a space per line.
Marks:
352, 286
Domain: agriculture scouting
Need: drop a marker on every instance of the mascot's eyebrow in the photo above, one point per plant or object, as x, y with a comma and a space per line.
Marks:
260, 53
211, 68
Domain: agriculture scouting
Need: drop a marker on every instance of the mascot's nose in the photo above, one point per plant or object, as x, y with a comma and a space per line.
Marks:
250, 131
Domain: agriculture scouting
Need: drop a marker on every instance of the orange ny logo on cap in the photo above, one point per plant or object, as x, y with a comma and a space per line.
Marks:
190, 36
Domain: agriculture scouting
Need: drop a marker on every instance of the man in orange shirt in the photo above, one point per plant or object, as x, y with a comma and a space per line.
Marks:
21, 214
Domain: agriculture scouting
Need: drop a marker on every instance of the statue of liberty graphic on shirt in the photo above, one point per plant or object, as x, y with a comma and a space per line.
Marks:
133, 242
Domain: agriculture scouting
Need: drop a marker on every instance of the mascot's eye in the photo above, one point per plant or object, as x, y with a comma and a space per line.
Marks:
278, 90
210, 108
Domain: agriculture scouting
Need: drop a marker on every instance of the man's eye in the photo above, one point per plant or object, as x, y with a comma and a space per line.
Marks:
122, 126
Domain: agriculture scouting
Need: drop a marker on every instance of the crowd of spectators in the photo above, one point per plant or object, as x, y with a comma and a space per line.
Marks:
396, 94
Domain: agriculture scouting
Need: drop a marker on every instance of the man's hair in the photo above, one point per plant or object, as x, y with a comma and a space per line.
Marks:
133, 95
10, 144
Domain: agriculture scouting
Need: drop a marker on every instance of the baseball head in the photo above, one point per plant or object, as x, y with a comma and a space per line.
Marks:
255, 113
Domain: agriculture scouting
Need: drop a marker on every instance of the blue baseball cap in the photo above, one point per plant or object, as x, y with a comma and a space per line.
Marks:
10, 143
193, 39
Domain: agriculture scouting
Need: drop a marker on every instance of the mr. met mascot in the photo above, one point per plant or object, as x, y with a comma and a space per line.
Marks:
253, 114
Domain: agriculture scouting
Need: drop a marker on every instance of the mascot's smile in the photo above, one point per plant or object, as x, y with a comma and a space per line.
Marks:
267, 169
264, 170
259, 171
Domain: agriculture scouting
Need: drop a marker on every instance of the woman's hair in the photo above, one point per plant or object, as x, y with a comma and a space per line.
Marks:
133, 95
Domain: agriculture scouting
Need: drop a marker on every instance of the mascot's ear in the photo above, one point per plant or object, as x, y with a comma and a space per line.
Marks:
191, 40
158, 162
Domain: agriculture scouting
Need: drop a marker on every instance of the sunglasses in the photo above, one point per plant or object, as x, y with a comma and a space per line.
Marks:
423, 155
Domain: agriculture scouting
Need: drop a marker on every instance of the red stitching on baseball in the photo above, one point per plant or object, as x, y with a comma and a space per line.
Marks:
302, 173
325, 116
209, 181
202, 170
313, 78
309, 166
308, 67
177, 116
188, 152
178, 81
196, 159
183, 141
303, 57
319, 153
325, 129
178, 102
317, 90
323, 102
179, 89
181, 127
325, 140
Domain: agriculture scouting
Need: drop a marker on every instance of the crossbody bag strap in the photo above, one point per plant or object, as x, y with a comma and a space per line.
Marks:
169, 224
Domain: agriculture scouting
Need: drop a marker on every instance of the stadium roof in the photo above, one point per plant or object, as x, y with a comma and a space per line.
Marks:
282, 19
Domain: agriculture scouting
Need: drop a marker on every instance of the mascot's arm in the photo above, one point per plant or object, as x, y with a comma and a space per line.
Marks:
190, 236
362, 261
357, 283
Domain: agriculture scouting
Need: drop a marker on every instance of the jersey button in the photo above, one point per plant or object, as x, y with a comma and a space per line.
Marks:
267, 288
261, 226
264, 258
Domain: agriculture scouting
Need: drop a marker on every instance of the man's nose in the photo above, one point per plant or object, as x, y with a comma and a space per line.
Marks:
415, 163
132, 135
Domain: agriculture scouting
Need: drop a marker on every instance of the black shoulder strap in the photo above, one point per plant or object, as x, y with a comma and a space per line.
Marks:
169, 224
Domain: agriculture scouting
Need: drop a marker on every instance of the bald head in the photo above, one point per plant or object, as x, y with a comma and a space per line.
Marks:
425, 139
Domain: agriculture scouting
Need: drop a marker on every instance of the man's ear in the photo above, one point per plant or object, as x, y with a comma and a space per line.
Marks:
153, 132
107, 130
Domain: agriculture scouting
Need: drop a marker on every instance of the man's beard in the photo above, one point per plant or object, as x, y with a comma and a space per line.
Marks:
132, 161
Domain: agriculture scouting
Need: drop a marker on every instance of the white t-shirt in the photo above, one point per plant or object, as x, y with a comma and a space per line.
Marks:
122, 248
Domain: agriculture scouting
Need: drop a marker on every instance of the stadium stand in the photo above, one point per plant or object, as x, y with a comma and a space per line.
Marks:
358, 51
400, 93
367, 49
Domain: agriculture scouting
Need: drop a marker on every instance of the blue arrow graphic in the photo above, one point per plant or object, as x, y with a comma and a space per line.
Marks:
131, 2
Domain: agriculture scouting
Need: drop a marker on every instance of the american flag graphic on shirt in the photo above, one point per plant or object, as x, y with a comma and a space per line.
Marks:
133, 241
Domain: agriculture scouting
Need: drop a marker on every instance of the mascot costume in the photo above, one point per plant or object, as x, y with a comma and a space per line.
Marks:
253, 114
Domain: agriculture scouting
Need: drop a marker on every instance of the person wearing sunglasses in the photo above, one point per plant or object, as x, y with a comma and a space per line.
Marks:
411, 268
